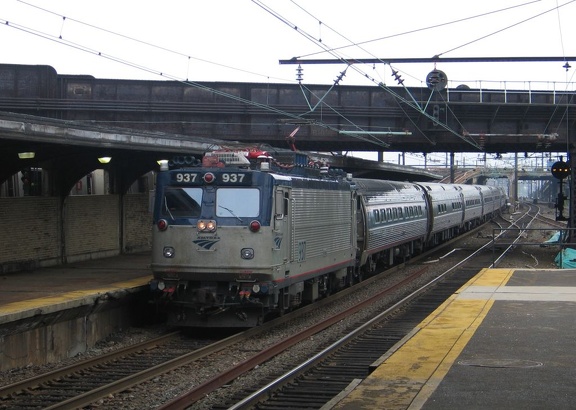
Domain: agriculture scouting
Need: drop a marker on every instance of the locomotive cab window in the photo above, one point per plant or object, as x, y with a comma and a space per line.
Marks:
238, 202
182, 202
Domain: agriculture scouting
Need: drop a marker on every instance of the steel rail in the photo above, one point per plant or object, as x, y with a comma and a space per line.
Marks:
33, 382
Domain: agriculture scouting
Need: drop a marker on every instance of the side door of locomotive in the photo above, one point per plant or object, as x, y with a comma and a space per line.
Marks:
283, 225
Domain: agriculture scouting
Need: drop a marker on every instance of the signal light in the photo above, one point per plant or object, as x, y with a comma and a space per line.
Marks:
254, 226
560, 170
162, 225
208, 177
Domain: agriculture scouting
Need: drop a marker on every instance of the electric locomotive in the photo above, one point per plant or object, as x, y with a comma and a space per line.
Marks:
235, 240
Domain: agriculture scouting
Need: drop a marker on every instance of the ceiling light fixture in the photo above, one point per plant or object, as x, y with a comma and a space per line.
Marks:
26, 155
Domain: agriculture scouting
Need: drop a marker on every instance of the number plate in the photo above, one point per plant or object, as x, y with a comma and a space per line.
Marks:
221, 178
234, 178
186, 177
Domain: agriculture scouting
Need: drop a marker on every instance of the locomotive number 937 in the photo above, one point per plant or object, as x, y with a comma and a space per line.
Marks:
240, 237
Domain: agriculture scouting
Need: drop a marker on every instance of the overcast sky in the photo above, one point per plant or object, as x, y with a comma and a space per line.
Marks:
243, 40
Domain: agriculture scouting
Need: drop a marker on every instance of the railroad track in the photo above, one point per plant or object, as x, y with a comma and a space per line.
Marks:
327, 373
84, 382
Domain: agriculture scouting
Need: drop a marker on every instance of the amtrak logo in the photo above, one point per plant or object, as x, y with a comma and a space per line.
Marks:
278, 242
206, 243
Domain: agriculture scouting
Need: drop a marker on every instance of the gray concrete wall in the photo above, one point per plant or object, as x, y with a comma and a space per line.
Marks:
52, 338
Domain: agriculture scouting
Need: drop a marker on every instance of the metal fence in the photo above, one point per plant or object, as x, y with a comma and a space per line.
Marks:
542, 92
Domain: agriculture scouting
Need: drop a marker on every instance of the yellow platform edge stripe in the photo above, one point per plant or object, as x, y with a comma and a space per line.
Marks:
408, 377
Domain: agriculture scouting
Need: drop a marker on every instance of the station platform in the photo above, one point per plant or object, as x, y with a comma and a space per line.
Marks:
45, 290
54, 313
505, 340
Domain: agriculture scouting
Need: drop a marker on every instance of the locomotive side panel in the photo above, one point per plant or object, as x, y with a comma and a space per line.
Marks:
322, 222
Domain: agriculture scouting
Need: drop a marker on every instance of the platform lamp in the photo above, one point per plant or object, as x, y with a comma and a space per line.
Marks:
26, 155
104, 160
163, 164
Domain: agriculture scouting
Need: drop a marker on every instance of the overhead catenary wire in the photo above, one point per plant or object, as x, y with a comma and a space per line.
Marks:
416, 106
146, 43
434, 26
503, 29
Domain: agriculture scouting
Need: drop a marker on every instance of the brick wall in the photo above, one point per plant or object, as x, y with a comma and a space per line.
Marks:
91, 226
32, 229
29, 232
137, 223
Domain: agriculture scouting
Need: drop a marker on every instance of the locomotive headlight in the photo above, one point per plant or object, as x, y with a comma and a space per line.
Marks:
206, 226
256, 288
247, 253
168, 252
161, 285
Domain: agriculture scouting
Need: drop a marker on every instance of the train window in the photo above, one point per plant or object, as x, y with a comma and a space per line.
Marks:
376, 215
182, 202
383, 215
395, 213
400, 215
389, 214
237, 202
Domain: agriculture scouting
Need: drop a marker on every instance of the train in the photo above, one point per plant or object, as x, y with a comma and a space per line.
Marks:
241, 236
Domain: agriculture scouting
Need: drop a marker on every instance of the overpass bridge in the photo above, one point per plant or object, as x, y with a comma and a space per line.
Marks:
328, 118
539, 185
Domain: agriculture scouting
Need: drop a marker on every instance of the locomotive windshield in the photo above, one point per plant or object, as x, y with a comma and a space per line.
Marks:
181, 202
238, 202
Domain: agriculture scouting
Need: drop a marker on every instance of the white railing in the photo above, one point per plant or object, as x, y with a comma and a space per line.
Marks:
542, 92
